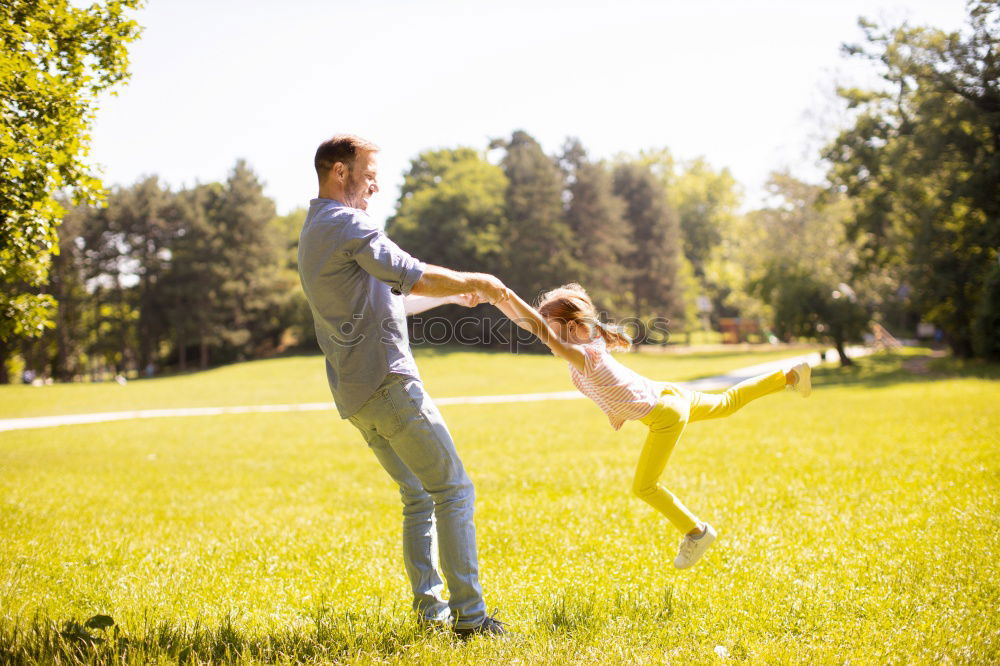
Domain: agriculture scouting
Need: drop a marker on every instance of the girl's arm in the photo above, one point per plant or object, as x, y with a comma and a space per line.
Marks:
413, 304
528, 318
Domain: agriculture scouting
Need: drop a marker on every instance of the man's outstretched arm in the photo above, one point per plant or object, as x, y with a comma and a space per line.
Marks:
383, 259
438, 281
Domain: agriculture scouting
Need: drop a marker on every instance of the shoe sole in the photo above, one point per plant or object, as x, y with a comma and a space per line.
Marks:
804, 387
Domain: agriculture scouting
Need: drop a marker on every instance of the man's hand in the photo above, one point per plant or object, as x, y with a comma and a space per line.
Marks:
491, 289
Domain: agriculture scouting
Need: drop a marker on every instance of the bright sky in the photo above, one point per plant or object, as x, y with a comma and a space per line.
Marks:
745, 84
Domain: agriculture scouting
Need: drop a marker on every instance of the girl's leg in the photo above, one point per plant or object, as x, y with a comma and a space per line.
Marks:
666, 424
716, 405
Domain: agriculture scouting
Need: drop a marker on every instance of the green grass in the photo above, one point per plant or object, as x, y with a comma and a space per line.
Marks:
861, 525
303, 379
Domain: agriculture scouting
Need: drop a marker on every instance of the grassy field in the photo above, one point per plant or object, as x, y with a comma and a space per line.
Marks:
861, 525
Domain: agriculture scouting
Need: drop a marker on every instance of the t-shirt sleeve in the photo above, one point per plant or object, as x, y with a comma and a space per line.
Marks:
591, 358
381, 258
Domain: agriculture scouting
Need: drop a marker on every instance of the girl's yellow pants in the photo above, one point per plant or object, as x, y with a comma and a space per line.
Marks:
678, 407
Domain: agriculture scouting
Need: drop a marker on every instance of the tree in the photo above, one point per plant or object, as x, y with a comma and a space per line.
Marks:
705, 201
921, 163
55, 62
227, 286
252, 287
68, 287
294, 312
807, 307
451, 211
127, 244
59, 350
798, 260
655, 262
190, 285
210, 267
540, 241
986, 331
601, 236
145, 216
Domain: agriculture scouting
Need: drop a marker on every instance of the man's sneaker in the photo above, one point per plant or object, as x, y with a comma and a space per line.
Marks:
692, 548
804, 385
490, 627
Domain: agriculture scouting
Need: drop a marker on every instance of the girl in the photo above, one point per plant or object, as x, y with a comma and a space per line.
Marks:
566, 321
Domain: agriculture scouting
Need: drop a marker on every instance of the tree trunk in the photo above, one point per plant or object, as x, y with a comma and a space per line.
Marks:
204, 353
4, 354
961, 346
146, 345
61, 361
845, 360
97, 324
181, 352
121, 368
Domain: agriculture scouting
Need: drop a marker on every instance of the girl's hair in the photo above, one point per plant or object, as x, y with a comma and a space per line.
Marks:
571, 302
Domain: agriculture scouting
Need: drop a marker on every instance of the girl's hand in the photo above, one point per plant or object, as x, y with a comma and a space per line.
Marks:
491, 289
470, 299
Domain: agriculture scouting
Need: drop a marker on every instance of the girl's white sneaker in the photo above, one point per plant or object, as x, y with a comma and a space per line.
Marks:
804, 385
693, 548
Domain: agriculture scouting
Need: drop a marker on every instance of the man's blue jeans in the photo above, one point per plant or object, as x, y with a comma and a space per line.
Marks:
408, 435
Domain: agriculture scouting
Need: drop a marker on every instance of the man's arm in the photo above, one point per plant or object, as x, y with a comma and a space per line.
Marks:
380, 257
528, 318
439, 281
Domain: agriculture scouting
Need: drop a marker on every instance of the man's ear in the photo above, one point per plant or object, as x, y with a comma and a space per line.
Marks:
341, 171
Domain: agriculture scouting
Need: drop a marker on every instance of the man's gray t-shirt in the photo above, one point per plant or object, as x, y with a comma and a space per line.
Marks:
355, 278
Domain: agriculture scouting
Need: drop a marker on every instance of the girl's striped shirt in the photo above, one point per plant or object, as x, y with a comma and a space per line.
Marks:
622, 393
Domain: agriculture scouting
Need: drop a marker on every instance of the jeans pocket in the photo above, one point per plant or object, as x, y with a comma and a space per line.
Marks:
413, 404
381, 415
417, 399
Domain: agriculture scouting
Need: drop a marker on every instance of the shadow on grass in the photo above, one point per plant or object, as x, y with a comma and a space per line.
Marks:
908, 366
323, 636
330, 638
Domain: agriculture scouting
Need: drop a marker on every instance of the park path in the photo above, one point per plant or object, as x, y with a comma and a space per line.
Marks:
704, 384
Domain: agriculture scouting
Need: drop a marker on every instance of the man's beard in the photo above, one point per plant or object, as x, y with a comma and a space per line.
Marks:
355, 193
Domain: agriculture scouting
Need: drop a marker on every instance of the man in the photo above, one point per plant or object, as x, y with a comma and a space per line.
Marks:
360, 286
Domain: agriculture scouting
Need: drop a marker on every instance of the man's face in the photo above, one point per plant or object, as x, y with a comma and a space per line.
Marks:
362, 181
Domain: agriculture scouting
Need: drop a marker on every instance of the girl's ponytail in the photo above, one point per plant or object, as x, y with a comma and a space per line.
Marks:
615, 337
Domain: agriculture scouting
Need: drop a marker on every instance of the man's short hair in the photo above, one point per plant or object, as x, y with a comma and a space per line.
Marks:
340, 148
